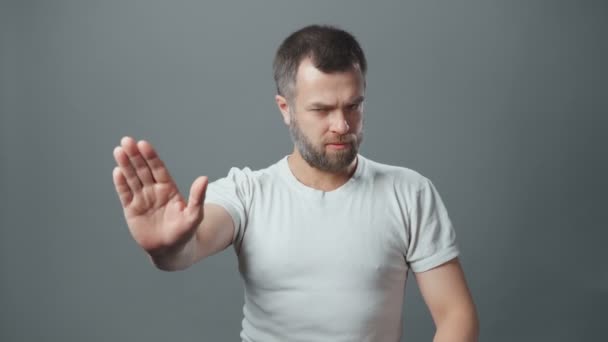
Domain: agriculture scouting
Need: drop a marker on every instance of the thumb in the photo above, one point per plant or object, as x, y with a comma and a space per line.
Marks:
197, 193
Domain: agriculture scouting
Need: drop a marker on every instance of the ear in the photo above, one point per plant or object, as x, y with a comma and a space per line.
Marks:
283, 107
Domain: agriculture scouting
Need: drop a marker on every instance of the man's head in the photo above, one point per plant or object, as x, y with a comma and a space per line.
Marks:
320, 76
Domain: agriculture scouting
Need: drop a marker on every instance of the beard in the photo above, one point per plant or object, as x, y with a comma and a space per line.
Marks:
318, 157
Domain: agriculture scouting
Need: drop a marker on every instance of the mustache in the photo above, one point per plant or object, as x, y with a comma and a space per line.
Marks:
342, 140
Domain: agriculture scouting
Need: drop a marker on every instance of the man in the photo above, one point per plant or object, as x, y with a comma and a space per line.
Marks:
324, 237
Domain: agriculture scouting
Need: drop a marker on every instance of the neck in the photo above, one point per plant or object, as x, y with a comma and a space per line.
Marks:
319, 179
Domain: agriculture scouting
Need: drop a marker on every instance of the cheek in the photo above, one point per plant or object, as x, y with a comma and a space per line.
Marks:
356, 123
315, 128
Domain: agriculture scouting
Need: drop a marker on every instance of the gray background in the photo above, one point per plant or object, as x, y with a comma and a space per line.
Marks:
502, 104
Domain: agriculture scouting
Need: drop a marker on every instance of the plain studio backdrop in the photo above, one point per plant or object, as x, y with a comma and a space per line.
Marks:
502, 104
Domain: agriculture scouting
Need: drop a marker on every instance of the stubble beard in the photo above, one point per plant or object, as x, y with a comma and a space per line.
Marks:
318, 157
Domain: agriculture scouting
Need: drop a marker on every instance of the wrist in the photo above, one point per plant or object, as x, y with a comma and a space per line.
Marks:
173, 258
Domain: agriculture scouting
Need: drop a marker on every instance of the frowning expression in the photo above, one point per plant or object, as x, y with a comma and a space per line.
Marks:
325, 115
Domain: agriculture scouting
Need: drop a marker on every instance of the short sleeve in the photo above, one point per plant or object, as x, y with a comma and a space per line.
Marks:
432, 240
232, 193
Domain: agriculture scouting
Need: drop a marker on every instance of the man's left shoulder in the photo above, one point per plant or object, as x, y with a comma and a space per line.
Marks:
395, 174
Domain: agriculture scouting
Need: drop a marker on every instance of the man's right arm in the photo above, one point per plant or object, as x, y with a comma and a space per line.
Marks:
173, 232
213, 235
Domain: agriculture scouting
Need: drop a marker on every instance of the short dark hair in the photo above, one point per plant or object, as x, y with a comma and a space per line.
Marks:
331, 50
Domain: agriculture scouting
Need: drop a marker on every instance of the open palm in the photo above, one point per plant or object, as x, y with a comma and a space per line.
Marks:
157, 215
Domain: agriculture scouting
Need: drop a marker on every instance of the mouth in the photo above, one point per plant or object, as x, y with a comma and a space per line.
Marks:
338, 145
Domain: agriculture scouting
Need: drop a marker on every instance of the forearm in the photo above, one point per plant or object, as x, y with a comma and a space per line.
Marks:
213, 235
458, 327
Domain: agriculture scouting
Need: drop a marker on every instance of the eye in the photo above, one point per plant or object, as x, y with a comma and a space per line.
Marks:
354, 106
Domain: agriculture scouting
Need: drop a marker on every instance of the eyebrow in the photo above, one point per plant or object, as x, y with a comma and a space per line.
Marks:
357, 100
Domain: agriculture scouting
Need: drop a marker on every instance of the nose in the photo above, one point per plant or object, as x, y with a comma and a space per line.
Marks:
339, 125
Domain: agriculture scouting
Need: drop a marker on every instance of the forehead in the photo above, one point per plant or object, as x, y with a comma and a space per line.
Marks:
313, 84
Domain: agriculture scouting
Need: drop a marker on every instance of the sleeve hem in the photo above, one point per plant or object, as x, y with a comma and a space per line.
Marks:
435, 260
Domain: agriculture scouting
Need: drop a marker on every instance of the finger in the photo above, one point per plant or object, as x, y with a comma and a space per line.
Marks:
157, 167
122, 188
127, 169
138, 162
197, 193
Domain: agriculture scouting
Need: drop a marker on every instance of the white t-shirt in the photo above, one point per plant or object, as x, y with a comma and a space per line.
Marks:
331, 266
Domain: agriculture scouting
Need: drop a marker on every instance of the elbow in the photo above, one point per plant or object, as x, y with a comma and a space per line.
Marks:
474, 328
461, 325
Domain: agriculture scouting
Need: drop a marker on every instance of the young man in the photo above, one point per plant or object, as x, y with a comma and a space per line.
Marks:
324, 236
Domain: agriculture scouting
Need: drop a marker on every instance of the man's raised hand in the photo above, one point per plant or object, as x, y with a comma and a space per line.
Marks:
157, 215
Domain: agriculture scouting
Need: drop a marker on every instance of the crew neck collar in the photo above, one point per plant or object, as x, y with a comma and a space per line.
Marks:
340, 191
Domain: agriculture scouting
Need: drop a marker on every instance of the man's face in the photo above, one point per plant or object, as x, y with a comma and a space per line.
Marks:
325, 117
